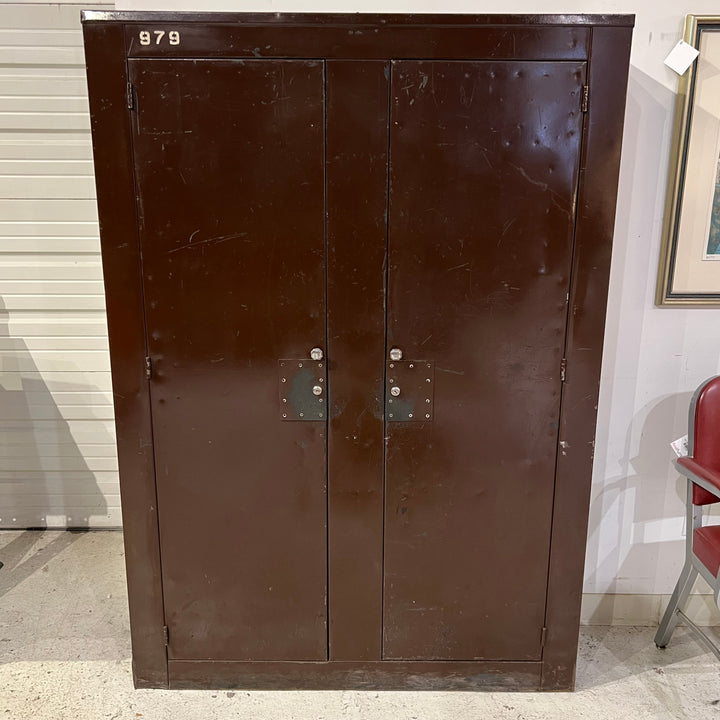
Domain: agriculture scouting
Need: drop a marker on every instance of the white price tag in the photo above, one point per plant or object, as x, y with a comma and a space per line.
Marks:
680, 446
681, 57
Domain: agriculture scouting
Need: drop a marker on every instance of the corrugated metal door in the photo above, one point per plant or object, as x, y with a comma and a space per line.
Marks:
58, 464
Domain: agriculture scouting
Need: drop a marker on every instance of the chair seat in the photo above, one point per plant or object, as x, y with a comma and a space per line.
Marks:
706, 545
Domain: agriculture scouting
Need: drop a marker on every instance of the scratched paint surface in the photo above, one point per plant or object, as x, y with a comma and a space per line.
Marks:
484, 160
229, 169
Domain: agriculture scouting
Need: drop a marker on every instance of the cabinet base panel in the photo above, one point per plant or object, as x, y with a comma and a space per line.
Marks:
339, 675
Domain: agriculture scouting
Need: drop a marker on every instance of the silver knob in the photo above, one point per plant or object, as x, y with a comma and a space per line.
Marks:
316, 354
394, 390
396, 354
317, 390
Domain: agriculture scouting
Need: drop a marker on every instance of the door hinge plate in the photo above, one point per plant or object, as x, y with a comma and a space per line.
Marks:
166, 635
585, 98
563, 369
543, 637
148, 367
130, 97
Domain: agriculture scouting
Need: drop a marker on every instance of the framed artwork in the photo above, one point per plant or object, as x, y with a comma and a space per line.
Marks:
689, 272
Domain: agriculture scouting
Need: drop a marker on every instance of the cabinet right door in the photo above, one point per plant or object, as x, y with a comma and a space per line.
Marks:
484, 166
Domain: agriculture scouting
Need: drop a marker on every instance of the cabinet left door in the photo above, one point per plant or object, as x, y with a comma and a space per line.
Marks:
230, 181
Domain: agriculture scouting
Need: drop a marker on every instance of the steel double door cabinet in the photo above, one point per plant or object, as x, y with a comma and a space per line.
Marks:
356, 271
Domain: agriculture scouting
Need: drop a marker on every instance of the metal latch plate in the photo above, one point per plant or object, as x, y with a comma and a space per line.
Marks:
415, 401
296, 380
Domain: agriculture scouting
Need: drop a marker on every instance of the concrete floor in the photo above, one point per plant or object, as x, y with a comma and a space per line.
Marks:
65, 654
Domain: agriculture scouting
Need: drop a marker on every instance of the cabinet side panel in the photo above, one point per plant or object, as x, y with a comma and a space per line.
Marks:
357, 141
586, 323
112, 148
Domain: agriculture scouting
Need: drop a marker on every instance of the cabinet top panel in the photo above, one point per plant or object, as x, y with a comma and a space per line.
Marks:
355, 19
355, 37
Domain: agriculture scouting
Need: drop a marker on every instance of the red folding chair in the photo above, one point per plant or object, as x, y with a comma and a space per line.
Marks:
702, 545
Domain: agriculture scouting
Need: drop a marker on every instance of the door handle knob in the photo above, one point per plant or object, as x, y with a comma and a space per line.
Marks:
396, 354
394, 390
317, 390
316, 354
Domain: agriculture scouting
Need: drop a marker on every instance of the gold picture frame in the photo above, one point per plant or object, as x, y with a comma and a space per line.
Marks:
689, 270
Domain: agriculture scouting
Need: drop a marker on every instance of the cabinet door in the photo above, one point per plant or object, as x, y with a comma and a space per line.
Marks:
229, 166
484, 164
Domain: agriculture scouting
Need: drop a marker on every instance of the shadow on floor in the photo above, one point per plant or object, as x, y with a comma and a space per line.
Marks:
18, 564
609, 655
63, 597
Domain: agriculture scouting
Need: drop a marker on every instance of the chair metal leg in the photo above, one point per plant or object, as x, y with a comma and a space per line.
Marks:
700, 635
677, 602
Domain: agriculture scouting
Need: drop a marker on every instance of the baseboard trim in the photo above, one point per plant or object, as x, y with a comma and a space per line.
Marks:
643, 610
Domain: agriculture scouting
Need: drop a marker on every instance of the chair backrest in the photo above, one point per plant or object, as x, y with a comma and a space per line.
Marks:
704, 433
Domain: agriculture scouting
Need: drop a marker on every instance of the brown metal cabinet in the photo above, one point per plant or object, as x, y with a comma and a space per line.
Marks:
356, 271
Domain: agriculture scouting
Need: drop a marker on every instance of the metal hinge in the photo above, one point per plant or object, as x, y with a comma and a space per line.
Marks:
148, 367
563, 369
166, 635
543, 636
130, 97
585, 98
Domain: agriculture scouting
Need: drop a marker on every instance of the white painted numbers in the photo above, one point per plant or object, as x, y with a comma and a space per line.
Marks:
147, 37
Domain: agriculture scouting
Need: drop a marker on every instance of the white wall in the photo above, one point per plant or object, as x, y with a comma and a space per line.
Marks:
58, 464
654, 357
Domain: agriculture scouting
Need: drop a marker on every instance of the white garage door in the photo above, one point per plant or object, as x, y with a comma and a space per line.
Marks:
58, 464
